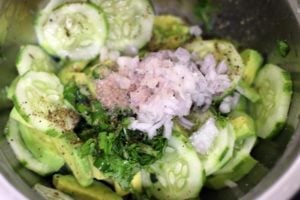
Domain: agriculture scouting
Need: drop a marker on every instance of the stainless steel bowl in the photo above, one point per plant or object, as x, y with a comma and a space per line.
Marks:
251, 23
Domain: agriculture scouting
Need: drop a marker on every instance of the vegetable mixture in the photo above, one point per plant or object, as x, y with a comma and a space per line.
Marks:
133, 104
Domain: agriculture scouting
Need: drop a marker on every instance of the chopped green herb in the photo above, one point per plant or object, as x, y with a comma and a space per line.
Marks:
205, 10
88, 148
283, 48
120, 153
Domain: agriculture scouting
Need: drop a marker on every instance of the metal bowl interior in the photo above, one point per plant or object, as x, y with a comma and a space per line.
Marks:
253, 24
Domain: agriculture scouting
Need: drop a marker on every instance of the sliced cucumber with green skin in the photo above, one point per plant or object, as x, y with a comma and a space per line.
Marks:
22, 153
221, 150
177, 175
69, 147
241, 168
75, 31
241, 152
222, 51
10, 91
39, 100
247, 144
274, 85
247, 91
35, 142
253, 60
33, 58
14, 114
242, 105
130, 23
237, 167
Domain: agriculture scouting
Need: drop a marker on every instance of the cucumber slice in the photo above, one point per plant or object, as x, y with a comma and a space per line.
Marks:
222, 51
274, 85
253, 60
247, 144
220, 152
241, 152
178, 175
22, 153
239, 165
239, 168
247, 91
130, 23
33, 58
14, 114
35, 142
242, 105
39, 100
10, 91
75, 31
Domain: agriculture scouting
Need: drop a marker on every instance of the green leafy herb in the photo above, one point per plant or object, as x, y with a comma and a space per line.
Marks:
88, 148
205, 11
283, 48
118, 152
124, 154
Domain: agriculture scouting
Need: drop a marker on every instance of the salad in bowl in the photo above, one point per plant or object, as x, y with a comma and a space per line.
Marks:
117, 102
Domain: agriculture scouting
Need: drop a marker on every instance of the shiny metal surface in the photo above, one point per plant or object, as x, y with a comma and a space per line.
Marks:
256, 24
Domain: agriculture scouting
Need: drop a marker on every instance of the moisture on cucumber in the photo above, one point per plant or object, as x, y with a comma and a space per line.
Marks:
75, 31
274, 85
33, 58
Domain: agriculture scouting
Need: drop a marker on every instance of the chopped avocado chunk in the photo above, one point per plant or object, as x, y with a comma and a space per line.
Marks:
169, 32
69, 146
243, 124
96, 191
35, 142
253, 61
136, 184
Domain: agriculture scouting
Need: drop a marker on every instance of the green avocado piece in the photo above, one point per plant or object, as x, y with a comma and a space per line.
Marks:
243, 125
69, 147
253, 60
72, 71
169, 32
41, 147
96, 191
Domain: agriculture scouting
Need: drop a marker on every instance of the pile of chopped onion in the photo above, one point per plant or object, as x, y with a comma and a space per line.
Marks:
162, 86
